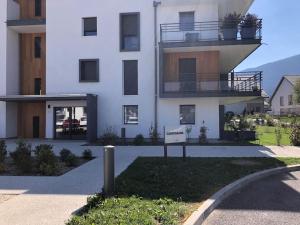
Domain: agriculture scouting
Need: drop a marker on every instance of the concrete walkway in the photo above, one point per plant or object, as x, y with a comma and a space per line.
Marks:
51, 200
273, 201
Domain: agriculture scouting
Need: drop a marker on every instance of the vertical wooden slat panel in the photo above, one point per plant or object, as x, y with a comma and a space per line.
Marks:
27, 9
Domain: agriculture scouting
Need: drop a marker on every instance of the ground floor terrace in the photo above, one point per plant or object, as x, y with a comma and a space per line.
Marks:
88, 117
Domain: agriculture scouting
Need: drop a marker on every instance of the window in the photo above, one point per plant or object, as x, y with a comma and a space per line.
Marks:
130, 68
37, 86
89, 70
187, 114
131, 114
281, 101
37, 47
90, 26
187, 20
38, 8
130, 32
290, 98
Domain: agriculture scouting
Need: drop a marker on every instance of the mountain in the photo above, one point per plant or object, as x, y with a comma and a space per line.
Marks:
273, 72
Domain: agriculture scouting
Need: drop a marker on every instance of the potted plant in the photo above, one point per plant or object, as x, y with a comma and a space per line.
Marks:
230, 26
249, 26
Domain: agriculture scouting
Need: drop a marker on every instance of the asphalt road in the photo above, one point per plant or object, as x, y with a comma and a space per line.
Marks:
272, 201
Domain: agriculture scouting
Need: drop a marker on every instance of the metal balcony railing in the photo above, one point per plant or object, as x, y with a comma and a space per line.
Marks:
234, 84
210, 31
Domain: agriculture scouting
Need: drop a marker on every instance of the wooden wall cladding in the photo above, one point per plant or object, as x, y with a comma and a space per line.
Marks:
208, 65
32, 67
25, 119
27, 9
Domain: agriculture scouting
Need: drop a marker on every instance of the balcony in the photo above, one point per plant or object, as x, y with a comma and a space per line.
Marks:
211, 33
36, 25
199, 85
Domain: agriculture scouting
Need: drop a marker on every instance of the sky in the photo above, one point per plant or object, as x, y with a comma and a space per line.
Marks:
281, 31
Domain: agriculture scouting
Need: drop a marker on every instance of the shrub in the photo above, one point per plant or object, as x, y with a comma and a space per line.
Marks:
3, 151
295, 135
188, 131
71, 160
87, 154
203, 133
64, 153
2, 168
22, 157
109, 137
46, 160
270, 121
139, 139
154, 135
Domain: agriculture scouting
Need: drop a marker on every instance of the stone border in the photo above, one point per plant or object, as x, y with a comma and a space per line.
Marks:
199, 216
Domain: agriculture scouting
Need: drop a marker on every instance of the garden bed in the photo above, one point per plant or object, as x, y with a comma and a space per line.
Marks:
169, 190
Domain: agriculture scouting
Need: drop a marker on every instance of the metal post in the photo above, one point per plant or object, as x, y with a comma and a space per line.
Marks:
184, 151
109, 170
165, 151
232, 80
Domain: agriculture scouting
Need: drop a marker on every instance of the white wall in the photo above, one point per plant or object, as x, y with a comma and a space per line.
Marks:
285, 89
13, 10
207, 109
3, 17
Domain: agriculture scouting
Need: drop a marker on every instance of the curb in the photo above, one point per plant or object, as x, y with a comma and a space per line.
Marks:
198, 217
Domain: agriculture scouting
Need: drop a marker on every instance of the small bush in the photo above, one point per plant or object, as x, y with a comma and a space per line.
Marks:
22, 157
278, 135
203, 134
270, 121
109, 137
295, 135
3, 151
46, 160
87, 154
154, 135
71, 160
139, 140
64, 154
2, 168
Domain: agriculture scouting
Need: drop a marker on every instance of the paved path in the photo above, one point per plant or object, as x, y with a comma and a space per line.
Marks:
272, 201
51, 200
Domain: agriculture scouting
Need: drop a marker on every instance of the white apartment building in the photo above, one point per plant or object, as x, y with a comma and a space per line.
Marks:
283, 100
74, 68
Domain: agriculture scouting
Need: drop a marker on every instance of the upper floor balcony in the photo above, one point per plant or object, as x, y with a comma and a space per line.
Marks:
212, 33
182, 85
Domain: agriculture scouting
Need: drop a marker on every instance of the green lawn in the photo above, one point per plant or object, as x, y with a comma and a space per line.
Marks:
266, 136
169, 190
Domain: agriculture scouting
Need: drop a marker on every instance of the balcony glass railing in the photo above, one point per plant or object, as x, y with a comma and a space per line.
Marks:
210, 31
249, 83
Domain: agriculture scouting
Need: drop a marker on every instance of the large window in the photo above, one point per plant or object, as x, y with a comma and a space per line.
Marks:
290, 99
131, 115
38, 8
37, 47
187, 20
89, 70
187, 114
130, 32
281, 101
90, 26
130, 68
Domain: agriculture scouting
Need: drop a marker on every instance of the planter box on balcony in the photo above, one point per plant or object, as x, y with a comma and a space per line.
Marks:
192, 37
248, 32
230, 33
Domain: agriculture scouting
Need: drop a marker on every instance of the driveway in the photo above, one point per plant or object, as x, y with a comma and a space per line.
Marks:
272, 201
52, 200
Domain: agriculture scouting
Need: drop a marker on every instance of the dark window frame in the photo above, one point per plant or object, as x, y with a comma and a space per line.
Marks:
85, 33
38, 8
186, 27
281, 100
36, 91
96, 80
37, 47
124, 116
122, 49
180, 108
137, 78
290, 100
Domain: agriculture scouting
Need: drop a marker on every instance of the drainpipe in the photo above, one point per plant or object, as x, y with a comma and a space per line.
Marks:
155, 5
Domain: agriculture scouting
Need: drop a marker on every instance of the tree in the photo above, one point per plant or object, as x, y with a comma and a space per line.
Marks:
297, 91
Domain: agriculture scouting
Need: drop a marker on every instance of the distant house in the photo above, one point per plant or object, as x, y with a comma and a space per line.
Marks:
282, 100
258, 105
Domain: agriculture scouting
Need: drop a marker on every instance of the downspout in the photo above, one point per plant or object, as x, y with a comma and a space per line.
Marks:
155, 5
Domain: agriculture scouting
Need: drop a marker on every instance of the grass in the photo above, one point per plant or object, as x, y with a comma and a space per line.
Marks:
169, 190
266, 136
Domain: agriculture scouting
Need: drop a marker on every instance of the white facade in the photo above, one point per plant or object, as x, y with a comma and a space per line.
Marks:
284, 90
65, 46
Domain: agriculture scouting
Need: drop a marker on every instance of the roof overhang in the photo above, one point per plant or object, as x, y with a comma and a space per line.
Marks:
44, 98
